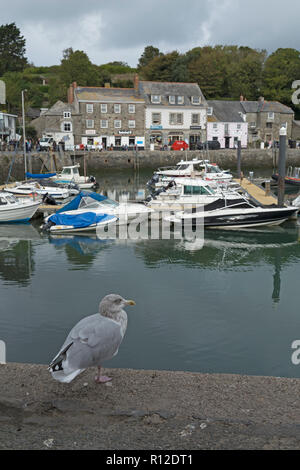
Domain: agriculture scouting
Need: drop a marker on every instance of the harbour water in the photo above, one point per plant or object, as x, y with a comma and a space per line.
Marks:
229, 306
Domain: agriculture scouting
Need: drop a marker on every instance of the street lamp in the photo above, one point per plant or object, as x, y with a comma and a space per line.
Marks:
24, 137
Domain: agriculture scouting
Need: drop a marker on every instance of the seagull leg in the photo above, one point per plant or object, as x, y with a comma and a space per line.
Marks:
101, 379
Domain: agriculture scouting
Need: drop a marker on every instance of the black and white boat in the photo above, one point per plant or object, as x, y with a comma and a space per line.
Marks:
242, 213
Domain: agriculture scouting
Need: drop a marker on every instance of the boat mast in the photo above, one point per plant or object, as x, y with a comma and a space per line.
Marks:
24, 137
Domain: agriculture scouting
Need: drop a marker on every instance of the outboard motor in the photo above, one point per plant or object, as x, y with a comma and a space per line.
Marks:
47, 199
46, 227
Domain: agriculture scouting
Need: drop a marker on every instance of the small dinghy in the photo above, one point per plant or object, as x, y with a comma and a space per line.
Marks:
87, 221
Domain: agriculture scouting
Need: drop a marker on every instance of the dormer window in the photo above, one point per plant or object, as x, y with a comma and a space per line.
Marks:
172, 99
180, 99
196, 99
271, 116
67, 114
209, 111
155, 99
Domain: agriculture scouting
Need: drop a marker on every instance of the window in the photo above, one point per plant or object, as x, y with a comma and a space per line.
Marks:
131, 124
117, 108
209, 111
196, 99
67, 127
131, 108
215, 125
180, 99
90, 123
103, 123
252, 124
118, 141
271, 116
89, 108
156, 118
118, 124
269, 125
239, 126
131, 140
67, 114
155, 98
103, 108
190, 190
172, 99
176, 118
196, 118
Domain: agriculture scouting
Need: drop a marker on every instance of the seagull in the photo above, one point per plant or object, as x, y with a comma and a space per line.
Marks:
92, 340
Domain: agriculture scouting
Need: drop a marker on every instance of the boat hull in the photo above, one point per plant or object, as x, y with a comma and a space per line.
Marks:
18, 214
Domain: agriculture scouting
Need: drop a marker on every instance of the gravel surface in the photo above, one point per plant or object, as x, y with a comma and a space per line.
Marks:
147, 410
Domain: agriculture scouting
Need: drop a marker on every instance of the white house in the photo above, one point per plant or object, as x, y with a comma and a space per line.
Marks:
8, 126
174, 111
226, 122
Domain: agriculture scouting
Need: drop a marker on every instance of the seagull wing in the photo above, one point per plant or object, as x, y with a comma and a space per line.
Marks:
93, 340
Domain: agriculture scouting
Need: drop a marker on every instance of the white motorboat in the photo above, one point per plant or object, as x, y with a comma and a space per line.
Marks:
34, 188
99, 204
232, 215
70, 174
84, 222
188, 192
191, 169
13, 209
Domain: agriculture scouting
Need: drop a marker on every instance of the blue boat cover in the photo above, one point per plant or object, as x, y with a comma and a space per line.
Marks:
79, 220
40, 176
74, 204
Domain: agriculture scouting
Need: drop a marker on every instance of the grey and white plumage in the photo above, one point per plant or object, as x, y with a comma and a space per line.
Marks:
92, 340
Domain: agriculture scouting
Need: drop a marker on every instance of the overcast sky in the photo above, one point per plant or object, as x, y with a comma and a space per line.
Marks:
109, 30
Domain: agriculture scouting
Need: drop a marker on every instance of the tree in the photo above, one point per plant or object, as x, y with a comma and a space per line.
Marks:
12, 49
149, 54
282, 68
77, 67
161, 68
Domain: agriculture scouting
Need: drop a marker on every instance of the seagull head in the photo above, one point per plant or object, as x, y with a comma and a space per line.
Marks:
112, 304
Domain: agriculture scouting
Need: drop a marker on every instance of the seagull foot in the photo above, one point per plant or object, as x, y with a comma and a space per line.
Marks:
102, 379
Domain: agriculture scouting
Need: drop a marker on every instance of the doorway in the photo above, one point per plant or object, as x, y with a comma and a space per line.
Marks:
227, 142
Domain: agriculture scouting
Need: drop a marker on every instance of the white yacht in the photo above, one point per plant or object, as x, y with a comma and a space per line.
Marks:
35, 188
99, 204
14, 209
188, 192
70, 174
192, 168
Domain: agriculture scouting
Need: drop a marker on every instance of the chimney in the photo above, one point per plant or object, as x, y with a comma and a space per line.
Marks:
71, 92
107, 85
136, 83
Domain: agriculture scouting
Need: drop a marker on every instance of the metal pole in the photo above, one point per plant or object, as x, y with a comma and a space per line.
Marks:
281, 166
24, 137
239, 158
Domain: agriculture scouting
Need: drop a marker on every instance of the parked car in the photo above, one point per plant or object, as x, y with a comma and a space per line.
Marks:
46, 143
210, 144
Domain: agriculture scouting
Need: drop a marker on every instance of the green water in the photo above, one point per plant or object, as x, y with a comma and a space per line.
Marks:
230, 306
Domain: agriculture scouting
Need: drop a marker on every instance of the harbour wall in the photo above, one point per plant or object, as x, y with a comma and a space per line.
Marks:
251, 158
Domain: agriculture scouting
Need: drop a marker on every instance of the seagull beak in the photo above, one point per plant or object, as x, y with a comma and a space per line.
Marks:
130, 302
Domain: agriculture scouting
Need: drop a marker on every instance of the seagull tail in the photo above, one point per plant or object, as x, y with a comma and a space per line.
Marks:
59, 367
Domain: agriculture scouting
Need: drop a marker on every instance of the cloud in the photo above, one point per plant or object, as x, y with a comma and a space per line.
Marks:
120, 29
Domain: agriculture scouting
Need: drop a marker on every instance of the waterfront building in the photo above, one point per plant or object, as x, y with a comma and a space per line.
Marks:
226, 123
173, 111
7, 126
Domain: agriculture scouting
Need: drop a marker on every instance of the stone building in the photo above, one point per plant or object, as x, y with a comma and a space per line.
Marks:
61, 121
226, 123
113, 117
265, 118
174, 111
8, 123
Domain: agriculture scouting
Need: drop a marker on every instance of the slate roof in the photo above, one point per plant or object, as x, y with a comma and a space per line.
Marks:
58, 108
226, 111
265, 107
166, 89
103, 94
